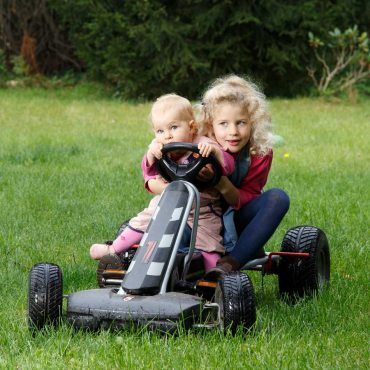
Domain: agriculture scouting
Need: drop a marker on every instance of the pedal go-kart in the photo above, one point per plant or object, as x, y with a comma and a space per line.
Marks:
154, 285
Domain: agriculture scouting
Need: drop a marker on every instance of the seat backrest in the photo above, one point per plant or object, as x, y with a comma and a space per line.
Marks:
160, 241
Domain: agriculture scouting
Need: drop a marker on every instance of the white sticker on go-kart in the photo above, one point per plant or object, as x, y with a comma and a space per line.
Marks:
166, 241
176, 214
155, 268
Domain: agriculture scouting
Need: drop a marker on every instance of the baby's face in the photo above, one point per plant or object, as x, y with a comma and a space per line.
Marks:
169, 127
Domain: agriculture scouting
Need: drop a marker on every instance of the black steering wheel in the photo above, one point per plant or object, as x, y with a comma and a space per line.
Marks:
170, 170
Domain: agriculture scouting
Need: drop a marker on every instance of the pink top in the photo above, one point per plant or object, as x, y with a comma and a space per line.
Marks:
150, 172
256, 178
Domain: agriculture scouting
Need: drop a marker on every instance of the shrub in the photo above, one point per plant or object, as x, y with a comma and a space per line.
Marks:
149, 47
342, 60
144, 48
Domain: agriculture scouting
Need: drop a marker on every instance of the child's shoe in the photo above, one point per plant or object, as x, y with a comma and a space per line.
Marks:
224, 265
97, 251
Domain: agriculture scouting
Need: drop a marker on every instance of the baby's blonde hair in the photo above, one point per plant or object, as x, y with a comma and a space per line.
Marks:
236, 90
180, 105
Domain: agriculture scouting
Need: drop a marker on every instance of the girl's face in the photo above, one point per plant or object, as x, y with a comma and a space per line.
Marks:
231, 127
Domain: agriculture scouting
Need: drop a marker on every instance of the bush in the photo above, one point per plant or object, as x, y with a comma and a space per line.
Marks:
342, 61
149, 47
145, 48
4, 73
32, 30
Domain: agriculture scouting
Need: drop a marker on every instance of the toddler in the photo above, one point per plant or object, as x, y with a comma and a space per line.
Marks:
234, 112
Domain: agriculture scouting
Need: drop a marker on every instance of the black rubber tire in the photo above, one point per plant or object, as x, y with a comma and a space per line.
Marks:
45, 295
304, 275
235, 296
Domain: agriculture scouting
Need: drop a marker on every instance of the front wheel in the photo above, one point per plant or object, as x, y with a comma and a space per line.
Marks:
299, 276
45, 295
235, 297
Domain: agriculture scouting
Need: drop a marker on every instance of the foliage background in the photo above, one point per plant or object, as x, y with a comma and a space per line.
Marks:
143, 48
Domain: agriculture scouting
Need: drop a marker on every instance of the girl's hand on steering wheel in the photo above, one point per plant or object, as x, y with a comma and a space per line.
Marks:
206, 173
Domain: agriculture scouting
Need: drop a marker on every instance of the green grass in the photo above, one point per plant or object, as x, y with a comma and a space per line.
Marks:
70, 174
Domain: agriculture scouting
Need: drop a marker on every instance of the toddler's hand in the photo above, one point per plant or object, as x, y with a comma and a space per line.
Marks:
154, 151
205, 149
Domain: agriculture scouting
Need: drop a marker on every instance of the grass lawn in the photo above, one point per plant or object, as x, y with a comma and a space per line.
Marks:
70, 174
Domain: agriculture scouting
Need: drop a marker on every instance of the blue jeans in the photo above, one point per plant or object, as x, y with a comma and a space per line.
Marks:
256, 222
185, 240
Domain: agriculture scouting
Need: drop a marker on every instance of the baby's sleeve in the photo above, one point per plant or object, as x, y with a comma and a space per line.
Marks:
149, 172
229, 163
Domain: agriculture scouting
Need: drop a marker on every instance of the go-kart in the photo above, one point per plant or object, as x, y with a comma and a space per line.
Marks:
154, 285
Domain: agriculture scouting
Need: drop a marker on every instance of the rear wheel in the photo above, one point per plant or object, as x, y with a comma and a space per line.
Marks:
299, 276
45, 295
235, 296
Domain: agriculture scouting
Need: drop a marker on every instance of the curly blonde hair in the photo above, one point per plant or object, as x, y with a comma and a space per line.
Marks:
237, 90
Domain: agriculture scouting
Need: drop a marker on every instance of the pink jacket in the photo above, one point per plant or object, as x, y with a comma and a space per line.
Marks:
209, 224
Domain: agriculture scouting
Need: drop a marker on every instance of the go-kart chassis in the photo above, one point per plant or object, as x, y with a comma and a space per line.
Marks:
143, 297
148, 295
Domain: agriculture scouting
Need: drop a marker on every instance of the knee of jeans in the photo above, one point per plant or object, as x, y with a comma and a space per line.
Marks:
280, 198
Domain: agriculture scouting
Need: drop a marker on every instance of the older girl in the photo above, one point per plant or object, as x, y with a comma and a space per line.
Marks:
234, 112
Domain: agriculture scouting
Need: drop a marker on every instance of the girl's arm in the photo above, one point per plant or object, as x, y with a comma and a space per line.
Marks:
251, 186
229, 192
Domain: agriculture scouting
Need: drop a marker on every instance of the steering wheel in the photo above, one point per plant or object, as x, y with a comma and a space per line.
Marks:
170, 170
